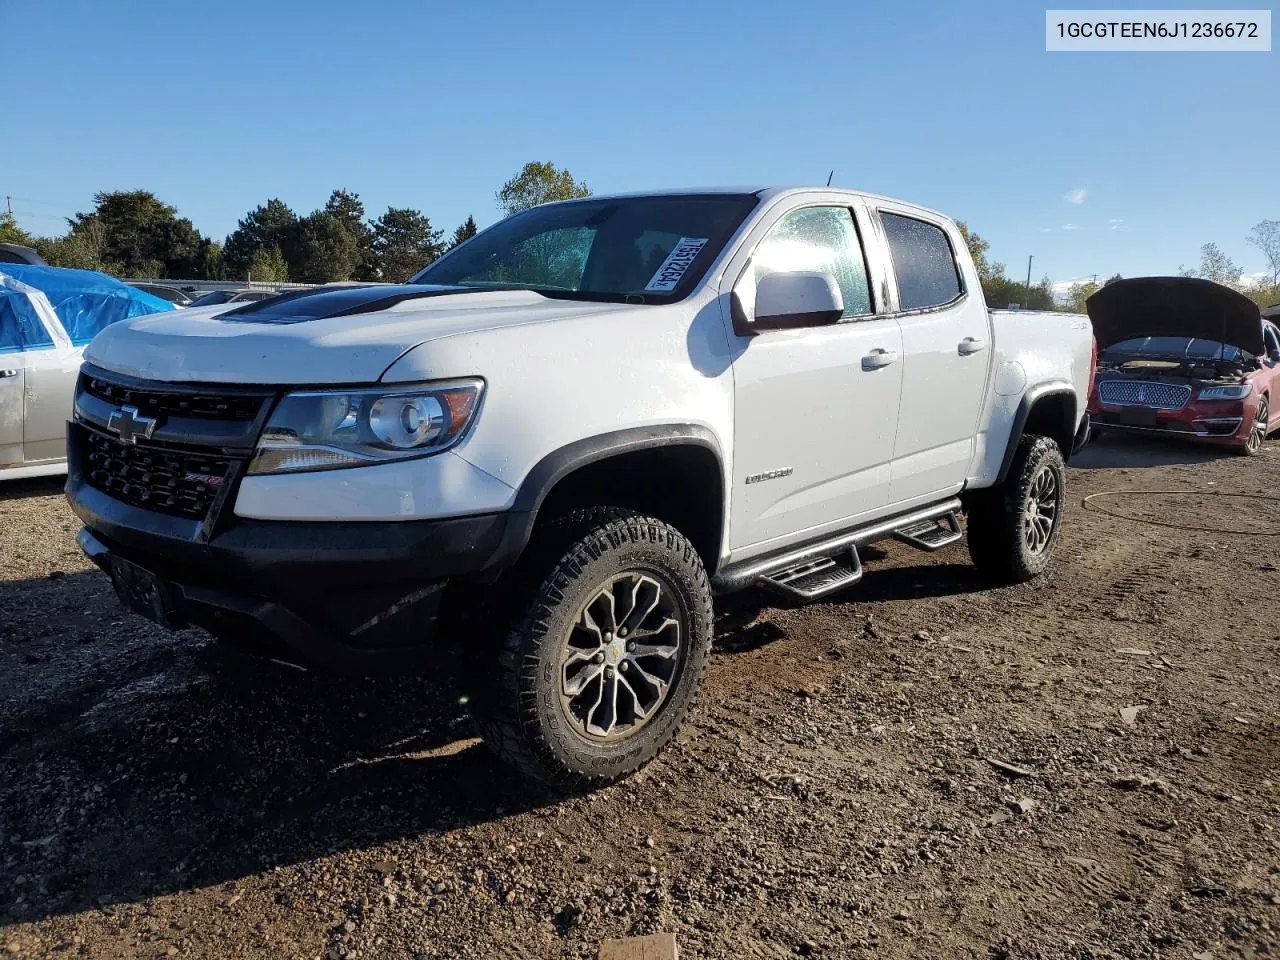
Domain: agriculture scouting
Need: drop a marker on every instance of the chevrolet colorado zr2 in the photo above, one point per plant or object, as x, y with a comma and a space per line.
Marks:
542, 457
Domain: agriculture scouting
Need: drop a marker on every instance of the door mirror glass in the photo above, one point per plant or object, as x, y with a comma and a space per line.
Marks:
801, 298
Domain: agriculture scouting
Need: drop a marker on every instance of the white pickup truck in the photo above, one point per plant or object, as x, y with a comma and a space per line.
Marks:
543, 456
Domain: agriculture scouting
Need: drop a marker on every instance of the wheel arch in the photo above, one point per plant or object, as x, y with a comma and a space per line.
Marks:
674, 472
1047, 409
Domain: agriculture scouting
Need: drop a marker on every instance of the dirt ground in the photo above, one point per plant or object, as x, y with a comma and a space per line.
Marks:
1087, 766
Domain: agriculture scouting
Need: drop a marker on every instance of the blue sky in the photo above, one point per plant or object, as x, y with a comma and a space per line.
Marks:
219, 106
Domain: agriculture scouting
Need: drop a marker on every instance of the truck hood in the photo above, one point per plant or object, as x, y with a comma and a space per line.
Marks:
1174, 307
328, 335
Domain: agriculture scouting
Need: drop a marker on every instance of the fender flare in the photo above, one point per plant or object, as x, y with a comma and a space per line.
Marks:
1040, 391
560, 463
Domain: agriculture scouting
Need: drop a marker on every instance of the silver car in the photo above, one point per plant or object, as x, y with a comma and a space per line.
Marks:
41, 347
38, 369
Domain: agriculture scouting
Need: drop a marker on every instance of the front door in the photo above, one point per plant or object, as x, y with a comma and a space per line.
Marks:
17, 330
815, 408
1271, 372
38, 368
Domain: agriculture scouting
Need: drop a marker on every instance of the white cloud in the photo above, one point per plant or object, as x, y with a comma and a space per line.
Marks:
1046, 229
1076, 196
1115, 223
1060, 288
1070, 226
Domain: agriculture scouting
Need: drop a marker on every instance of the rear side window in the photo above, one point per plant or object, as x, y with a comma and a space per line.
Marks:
922, 261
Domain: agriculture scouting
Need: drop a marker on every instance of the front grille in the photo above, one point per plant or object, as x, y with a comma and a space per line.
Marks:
151, 402
1144, 393
172, 482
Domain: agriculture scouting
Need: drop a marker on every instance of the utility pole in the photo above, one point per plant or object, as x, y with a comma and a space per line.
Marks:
9, 202
1030, 257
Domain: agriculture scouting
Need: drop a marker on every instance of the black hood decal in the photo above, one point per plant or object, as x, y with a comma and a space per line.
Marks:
322, 303
1174, 307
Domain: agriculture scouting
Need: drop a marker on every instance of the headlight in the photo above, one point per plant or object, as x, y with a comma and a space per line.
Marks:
1237, 391
324, 430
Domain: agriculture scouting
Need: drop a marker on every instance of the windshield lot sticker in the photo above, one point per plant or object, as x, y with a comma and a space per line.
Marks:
677, 262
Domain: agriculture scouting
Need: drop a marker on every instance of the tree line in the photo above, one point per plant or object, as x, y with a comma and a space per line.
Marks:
132, 233
1214, 265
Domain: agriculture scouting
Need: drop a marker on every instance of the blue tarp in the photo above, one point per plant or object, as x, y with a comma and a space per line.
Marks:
85, 302
20, 324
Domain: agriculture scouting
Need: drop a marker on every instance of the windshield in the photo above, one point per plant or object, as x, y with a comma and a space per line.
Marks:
1192, 348
644, 249
217, 296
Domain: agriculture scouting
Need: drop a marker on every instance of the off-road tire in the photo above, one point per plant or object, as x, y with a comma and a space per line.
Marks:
517, 686
997, 538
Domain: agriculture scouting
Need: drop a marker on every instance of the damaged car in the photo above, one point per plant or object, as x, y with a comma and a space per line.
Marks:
1183, 357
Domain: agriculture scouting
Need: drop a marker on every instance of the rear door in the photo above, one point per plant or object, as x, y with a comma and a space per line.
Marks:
815, 408
946, 350
50, 390
12, 379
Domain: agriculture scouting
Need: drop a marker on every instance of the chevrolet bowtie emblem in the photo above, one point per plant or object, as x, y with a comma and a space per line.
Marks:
130, 424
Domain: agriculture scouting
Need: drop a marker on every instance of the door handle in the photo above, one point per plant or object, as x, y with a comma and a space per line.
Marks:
9, 373
879, 358
970, 345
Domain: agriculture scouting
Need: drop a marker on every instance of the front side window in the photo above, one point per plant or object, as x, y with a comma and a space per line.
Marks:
1273, 343
922, 261
644, 249
816, 238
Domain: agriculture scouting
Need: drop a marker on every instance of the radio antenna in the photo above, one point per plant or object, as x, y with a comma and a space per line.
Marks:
829, 176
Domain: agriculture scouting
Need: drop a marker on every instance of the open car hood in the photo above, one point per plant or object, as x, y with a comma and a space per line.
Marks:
1174, 307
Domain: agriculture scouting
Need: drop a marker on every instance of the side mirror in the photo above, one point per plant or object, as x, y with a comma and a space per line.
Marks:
788, 301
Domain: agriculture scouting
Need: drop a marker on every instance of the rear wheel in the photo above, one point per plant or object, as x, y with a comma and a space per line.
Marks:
1013, 528
1258, 432
611, 638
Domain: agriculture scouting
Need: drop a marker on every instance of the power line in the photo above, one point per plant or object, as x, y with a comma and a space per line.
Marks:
41, 203
40, 216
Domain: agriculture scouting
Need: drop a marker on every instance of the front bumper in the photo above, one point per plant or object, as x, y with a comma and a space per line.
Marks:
1209, 421
347, 596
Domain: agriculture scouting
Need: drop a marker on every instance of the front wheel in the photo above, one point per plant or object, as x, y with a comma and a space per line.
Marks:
1013, 528
612, 635
1258, 431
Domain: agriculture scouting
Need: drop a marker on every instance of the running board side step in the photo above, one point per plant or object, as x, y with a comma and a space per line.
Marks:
815, 578
931, 534
739, 576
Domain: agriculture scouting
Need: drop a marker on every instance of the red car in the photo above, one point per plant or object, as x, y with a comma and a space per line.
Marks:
1184, 357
